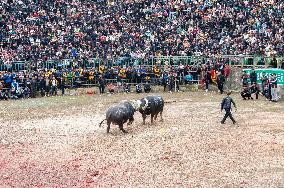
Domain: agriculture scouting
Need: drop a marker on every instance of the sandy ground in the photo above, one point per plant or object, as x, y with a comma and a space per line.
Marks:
56, 142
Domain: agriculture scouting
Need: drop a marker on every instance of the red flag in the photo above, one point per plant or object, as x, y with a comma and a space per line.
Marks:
213, 76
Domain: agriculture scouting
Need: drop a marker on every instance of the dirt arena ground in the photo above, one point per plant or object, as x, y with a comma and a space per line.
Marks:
56, 142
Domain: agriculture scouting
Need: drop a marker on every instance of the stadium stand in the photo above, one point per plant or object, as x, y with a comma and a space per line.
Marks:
38, 34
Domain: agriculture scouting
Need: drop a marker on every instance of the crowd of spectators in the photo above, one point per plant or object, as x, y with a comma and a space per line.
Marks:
25, 84
38, 30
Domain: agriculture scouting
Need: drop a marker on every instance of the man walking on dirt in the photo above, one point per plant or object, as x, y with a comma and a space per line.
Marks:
226, 104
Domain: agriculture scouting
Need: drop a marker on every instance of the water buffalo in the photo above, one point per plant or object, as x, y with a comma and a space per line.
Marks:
119, 114
151, 105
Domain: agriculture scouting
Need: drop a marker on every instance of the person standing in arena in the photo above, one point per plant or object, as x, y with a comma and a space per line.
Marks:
244, 79
264, 81
42, 86
207, 78
165, 80
62, 85
253, 77
101, 84
220, 81
226, 104
33, 87
273, 83
53, 84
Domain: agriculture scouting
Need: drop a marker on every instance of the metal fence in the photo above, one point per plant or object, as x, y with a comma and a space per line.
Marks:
232, 60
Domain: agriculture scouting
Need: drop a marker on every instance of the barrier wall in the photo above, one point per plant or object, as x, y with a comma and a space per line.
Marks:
279, 73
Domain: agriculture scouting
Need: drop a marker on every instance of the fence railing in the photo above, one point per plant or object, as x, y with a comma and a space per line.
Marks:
232, 60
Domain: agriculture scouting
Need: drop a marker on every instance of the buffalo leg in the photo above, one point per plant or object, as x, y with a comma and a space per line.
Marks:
121, 128
155, 117
144, 118
152, 117
108, 126
130, 121
161, 113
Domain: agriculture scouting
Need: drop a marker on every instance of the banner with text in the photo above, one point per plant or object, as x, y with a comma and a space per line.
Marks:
279, 73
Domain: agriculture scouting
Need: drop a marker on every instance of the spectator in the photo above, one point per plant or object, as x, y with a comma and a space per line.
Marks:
227, 71
33, 87
47, 85
165, 80
101, 85
273, 82
171, 83
26, 92
15, 89
54, 85
176, 81
62, 86
245, 93
264, 81
254, 90
126, 88
147, 87
3, 95
110, 87
220, 82
244, 79
42, 86
139, 88
207, 78
253, 77
188, 78
37, 30
266, 93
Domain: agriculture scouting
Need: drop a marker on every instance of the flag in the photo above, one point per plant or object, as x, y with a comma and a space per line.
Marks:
213, 76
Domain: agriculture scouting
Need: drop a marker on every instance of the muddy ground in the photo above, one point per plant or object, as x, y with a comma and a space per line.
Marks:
56, 142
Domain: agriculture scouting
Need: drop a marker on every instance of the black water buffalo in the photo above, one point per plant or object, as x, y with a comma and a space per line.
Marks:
151, 105
119, 114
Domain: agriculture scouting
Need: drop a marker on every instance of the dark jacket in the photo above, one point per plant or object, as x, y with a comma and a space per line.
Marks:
226, 103
42, 84
220, 79
253, 77
102, 82
254, 89
208, 77
147, 86
34, 84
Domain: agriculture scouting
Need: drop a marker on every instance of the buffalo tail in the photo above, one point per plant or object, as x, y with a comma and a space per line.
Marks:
101, 123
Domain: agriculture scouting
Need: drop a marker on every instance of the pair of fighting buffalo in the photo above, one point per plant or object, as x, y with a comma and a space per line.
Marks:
124, 111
